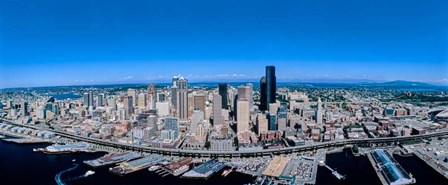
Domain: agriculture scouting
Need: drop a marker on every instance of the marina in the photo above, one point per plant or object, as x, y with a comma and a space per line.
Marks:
205, 170
112, 158
125, 168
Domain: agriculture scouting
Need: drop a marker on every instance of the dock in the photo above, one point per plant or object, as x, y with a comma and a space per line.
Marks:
26, 141
205, 170
125, 168
335, 173
377, 170
112, 158
388, 170
440, 168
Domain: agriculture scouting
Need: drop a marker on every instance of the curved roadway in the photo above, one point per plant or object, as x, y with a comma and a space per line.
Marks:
208, 153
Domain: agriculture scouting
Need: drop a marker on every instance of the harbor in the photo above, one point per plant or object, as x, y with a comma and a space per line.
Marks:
112, 158
125, 168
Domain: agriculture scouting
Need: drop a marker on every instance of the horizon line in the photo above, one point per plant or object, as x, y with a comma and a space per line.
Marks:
316, 81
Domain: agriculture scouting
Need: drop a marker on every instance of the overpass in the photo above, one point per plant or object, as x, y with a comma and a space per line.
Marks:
253, 153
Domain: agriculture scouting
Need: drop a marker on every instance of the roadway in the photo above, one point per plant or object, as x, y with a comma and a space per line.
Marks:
253, 153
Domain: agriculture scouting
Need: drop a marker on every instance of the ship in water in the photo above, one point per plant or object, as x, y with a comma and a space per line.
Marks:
136, 165
89, 173
227, 172
205, 170
154, 168
112, 158
64, 149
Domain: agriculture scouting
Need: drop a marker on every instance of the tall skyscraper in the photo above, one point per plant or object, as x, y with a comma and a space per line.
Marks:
319, 111
128, 106
244, 93
100, 100
218, 119
263, 99
91, 99
243, 114
85, 96
142, 101
151, 97
196, 119
24, 108
182, 99
271, 85
174, 81
272, 122
262, 123
199, 102
133, 93
250, 93
222, 88
174, 96
172, 124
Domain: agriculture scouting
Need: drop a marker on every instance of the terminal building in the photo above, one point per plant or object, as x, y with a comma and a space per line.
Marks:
392, 172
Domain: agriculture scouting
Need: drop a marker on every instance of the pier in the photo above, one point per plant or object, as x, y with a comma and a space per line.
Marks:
388, 170
335, 173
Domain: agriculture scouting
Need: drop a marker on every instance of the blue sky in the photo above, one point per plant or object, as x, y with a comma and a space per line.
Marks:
95, 42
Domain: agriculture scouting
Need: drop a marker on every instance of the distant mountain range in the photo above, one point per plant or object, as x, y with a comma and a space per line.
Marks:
399, 83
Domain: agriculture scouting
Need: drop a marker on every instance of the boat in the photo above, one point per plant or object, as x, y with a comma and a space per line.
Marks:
154, 168
227, 172
89, 173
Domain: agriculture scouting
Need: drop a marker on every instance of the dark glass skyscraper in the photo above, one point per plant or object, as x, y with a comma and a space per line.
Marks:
263, 106
271, 85
223, 94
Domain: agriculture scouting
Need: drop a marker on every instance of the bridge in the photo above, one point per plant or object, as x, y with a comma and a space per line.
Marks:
253, 153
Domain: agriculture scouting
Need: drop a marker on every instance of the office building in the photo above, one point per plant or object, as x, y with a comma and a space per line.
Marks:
151, 97
91, 99
85, 97
218, 119
272, 122
128, 106
182, 99
172, 124
100, 100
243, 114
263, 99
133, 93
262, 123
222, 88
199, 102
196, 119
24, 109
319, 113
271, 85
142, 99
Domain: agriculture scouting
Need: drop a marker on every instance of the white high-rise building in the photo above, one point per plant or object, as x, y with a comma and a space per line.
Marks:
243, 114
196, 119
218, 119
163, 108
142, 101
319, 113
